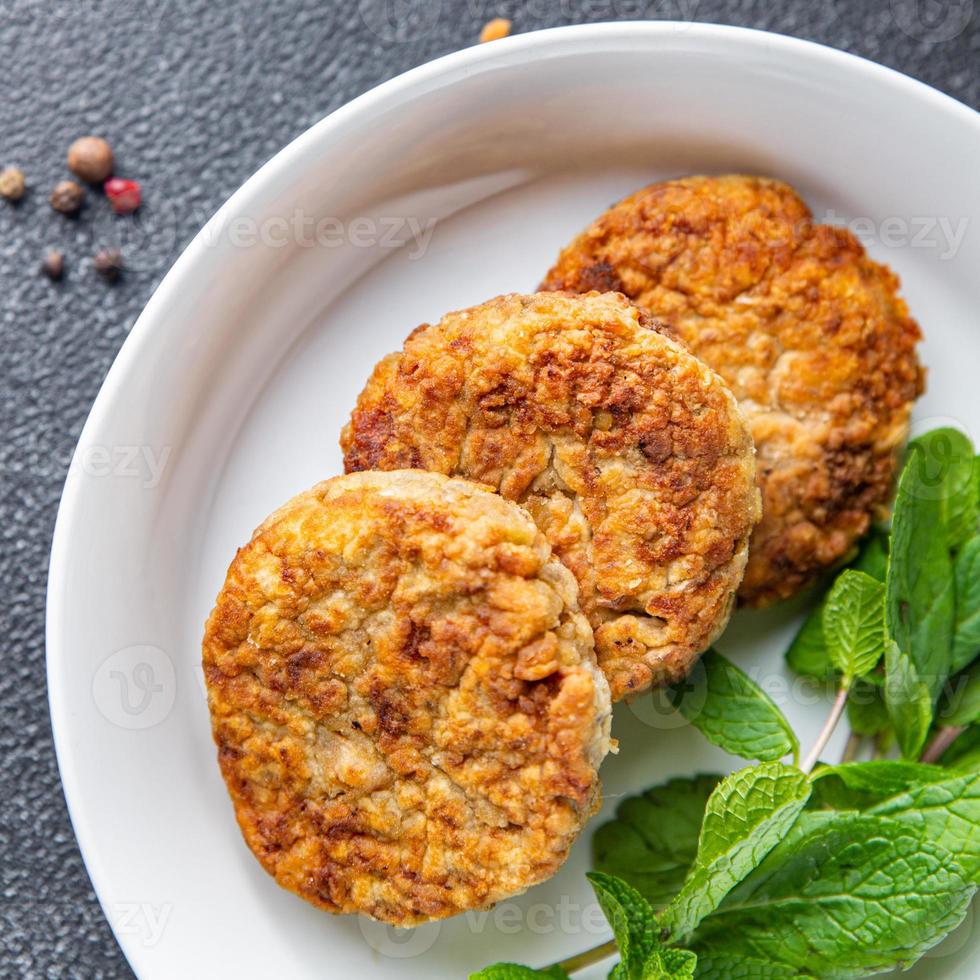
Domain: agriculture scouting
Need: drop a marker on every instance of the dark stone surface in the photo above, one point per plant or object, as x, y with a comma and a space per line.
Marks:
195, 95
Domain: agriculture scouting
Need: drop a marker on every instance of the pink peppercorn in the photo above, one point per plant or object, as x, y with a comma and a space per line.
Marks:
124, 195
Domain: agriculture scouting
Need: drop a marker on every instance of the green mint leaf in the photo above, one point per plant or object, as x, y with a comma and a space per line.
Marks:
882, 777
731, 966
960, 704
861, 785
966, 630
854, 624
909, 701
670, 964
946, 467
807, 654
653, 839
733, 712
632, 921
514, 971
832, 795
944, 807
919, 601
873, 557
844, 895
964, 753
746, 817
866, 709
949, 814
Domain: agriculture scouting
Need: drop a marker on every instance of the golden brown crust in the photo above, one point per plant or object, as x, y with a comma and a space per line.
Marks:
406, 704
628, 452
809, 333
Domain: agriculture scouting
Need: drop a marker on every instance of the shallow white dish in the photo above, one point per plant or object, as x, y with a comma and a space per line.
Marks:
229, 395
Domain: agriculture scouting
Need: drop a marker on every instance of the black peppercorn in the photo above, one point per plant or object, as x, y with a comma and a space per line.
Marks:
67, 197
53, 265
108, 263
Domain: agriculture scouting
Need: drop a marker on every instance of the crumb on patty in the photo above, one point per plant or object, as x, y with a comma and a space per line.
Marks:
405, 699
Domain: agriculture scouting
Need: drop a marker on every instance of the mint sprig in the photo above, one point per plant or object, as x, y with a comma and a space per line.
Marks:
821, 871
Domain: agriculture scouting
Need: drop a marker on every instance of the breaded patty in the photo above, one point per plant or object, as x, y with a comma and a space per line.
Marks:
629, 453
405, 698
810, 334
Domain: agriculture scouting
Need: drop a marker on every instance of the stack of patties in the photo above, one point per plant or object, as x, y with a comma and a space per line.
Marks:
410, 673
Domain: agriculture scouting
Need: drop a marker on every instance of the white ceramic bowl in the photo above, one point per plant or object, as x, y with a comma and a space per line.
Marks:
229, 395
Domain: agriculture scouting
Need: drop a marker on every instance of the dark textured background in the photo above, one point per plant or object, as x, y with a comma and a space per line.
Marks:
195, 95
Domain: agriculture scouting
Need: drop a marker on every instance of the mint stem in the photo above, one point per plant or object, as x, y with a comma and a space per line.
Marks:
836, 710
943, 739
590, 956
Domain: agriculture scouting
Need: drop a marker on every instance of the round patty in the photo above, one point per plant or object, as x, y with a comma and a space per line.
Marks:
405, 699
629, 453
809, 333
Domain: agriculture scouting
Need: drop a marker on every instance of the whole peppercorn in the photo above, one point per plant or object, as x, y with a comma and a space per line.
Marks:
91, 159
53, 265
108, 263
67, 197
11, 184
124, 195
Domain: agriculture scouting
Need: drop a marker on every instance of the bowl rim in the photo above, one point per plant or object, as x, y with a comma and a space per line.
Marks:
275, 175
